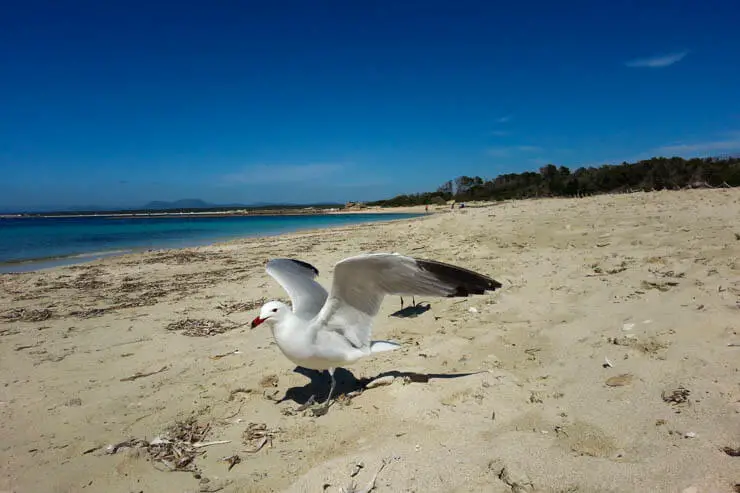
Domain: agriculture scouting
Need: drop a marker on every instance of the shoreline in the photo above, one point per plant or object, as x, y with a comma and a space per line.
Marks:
37, 264
229, 213
607, 361
49, 262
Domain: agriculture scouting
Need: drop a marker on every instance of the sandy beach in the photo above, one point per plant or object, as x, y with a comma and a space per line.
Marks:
608, 362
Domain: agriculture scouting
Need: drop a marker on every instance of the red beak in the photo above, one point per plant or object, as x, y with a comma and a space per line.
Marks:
256, 322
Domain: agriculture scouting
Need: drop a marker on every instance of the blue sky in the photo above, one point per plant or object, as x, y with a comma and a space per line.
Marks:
118, 103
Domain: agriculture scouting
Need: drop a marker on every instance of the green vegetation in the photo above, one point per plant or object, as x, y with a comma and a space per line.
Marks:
552, 181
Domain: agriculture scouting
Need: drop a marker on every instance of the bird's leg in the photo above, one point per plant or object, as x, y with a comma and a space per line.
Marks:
331, 387
401, 302
323, 408
413, 300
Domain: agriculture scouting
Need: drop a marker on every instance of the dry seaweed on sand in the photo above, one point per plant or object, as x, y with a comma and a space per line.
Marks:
243, 306
732, 452
90, 312
88, 280
148, 297
177, 447
232, 460
238, 391
129, 284
660, 286
258, 435
179, 257
27, 315
677, 396
11, 331
200, 327
138, 375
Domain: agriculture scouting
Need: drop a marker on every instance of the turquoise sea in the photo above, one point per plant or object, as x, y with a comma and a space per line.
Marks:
28, 243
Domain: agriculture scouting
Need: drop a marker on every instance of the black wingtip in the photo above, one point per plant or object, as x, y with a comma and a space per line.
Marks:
300, 263
306, 265
467, 281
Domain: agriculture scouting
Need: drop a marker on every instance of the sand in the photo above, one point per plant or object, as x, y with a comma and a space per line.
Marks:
506, 392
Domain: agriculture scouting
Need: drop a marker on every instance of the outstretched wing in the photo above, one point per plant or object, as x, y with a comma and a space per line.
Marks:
361, 283
298, 279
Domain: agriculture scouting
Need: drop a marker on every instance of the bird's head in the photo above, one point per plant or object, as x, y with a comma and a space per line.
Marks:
272, 311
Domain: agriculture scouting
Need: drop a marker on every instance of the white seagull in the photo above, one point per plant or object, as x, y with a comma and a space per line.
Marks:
324, 331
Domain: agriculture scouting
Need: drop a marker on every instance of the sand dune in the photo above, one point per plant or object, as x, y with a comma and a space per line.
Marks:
608, 362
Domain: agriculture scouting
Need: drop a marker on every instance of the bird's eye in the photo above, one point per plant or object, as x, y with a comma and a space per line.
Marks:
274, 310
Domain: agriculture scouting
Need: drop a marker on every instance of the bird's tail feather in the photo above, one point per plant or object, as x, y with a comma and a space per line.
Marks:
381, 346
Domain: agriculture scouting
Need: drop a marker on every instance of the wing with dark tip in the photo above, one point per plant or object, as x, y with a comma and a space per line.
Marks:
305, 265
298, 279
466, 281
361, 283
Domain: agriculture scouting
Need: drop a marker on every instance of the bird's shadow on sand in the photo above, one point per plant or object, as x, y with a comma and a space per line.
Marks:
412, 311
347, 382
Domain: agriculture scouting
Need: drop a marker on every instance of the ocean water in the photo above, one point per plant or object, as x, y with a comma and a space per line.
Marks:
38, 242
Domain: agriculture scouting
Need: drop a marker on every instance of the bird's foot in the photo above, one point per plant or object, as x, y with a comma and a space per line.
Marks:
309, 403
316, 408
321, 409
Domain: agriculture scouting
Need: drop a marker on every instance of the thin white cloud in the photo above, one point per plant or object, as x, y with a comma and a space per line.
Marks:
731, 143
502, 151
283, 173
528, 148
658, 61
500, 133
504, 119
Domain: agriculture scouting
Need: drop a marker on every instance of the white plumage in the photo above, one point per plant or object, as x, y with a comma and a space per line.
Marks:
324, 331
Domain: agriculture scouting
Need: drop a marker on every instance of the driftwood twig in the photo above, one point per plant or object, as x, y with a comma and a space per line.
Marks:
142, 375
208, 444
222, 355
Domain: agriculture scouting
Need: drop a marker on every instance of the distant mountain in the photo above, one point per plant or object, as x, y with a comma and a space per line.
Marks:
197, 204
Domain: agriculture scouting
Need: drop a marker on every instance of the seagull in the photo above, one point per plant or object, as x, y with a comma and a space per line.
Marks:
323, 331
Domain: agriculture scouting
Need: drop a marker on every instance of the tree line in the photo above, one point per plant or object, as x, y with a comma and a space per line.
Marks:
658, 173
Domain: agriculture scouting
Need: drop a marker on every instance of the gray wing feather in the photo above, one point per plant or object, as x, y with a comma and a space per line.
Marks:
298, 278
361, 283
